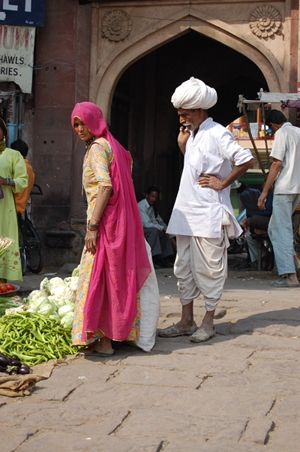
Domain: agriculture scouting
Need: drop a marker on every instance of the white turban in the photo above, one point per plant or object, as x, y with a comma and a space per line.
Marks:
194, 94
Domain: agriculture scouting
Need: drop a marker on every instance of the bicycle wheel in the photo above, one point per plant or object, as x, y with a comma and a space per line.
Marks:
22, 252
33, 249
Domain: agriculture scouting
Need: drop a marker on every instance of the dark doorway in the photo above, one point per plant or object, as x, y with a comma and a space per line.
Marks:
144, 120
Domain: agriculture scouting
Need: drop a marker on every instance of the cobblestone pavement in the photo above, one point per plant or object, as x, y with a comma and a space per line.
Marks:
238, 392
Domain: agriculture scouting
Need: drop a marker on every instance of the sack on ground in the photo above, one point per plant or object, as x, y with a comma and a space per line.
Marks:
150, 309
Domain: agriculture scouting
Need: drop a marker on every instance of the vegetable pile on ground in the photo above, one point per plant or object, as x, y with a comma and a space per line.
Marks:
7, 287
55, 299
12, 365
7, 303
34, 338
40, 329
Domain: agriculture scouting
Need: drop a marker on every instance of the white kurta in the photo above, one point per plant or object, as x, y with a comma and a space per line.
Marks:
198, 211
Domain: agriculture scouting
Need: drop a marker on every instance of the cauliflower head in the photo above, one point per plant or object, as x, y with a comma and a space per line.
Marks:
64, 293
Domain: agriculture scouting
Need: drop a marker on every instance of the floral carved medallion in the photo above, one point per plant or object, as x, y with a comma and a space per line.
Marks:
116, 25
265, 21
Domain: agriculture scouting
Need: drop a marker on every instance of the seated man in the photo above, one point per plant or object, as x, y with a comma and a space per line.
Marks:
257, 221
155, 229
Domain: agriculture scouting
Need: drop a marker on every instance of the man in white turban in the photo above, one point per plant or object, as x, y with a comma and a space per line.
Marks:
194, 94
202, 218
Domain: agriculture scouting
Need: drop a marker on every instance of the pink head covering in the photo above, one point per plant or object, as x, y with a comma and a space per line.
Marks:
92, 117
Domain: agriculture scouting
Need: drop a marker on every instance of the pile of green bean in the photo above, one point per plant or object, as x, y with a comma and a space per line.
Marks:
34, 338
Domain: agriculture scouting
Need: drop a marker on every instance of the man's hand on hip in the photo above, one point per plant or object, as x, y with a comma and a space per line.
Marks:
207, 180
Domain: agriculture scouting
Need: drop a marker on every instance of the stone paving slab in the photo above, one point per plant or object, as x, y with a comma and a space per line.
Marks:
66, 442
276, 355
12, 437
255, 384
158, 377
257, 341
285, 370
288, 407
166, 425
206, 360
258, 430
168, 398
73, 376
60, 417
197, 446
285, 436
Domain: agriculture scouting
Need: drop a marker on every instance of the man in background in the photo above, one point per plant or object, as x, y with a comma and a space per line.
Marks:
284, 174
155, 229
257, 221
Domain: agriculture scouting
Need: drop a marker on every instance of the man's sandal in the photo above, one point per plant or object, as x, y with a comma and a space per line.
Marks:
202, 335
174, 331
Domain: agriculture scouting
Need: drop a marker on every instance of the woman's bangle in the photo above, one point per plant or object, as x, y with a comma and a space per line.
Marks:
10, 181
92, 227
96, 219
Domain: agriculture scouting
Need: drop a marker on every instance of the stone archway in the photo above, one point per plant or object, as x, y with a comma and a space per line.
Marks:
144, 120
105, 77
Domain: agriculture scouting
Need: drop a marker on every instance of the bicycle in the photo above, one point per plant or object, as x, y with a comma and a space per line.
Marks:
29, 242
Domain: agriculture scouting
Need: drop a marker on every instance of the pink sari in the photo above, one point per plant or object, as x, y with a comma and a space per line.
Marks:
121, 264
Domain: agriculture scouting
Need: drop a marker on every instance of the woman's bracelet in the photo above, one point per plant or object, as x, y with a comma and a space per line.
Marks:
10, 181
96, 219
92, 227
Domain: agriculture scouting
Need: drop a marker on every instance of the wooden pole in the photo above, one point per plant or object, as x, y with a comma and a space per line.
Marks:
265, 135
253, 143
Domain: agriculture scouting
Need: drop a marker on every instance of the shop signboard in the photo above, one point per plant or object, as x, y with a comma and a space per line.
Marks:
22, 12
16, 55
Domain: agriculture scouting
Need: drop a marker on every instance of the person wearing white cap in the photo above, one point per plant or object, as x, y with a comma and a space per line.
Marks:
202, 218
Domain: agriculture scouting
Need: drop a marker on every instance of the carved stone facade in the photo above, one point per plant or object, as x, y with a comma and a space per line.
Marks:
261, 33
116, 25
265, 22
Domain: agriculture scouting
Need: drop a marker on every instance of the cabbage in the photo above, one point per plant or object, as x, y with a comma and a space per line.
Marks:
57, 303
65, 309
70, 303
75, 272
67, 320
34, 304
55, 317
46, 308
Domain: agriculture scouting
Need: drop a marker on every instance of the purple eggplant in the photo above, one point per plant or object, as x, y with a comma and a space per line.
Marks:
24, 369
15, 362
4, 360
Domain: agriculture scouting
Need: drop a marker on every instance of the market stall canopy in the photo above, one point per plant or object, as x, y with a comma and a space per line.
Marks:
267, 98
277, 97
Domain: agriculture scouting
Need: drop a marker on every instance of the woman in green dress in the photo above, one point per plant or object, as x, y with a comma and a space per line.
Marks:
13, 179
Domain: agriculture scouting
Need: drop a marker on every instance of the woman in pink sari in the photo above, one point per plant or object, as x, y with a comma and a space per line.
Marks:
114, 263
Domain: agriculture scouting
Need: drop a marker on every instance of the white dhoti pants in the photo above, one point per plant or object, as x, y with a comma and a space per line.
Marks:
201, 267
